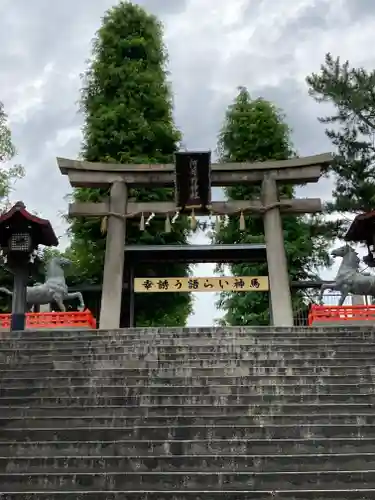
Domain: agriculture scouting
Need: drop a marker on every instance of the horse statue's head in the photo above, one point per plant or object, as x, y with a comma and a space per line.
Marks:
349, 255
342, 251
56, 265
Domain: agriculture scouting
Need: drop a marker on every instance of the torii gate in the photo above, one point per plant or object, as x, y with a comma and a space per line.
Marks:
117, 209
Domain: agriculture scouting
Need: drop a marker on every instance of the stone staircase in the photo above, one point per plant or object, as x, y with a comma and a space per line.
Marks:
188, 414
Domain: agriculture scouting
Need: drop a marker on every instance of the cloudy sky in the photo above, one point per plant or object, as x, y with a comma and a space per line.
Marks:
214, 46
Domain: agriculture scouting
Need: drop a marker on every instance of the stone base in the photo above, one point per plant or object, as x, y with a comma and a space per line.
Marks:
356, 322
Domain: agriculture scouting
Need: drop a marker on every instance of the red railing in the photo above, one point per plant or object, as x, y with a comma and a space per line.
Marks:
52, 320
332, 314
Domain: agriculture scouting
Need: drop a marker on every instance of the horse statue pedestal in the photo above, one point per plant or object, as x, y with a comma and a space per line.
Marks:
356, 315
53, 320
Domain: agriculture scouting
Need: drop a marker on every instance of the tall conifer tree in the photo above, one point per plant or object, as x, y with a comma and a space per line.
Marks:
255, 130
127, 105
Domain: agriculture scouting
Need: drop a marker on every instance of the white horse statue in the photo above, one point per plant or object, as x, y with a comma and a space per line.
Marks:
349, 279
54, 289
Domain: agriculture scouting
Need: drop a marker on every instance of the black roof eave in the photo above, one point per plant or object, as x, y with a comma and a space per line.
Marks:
195, 253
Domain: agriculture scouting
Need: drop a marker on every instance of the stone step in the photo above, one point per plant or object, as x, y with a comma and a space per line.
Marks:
66, 419
188, 359
170, 343
176, 332
200, 367
188, 412
197, 375
284, 494
201, 331
52, 379
146, 411
129, 369
16, 388
155, 384
187, 480
170, 347
177, 351
98, 433
119, 395
87, 357
160, 391
173, 463
197, 447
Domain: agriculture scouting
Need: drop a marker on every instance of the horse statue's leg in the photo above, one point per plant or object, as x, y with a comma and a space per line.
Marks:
76, 295
344, 293
323, 288
58, 298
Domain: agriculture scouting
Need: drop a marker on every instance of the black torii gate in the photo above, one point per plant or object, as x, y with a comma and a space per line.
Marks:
138, 255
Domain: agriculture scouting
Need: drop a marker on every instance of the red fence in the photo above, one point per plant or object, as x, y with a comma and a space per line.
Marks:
52, 320
335, 314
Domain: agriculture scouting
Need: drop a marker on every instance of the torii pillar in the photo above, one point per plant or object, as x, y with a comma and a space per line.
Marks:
110, 308
281, 298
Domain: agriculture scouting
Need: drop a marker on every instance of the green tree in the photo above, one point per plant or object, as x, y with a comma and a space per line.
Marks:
9, 174
127, 105
351, 128
255, 130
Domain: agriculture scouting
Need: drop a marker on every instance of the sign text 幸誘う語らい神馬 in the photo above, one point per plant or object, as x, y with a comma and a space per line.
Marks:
216, 284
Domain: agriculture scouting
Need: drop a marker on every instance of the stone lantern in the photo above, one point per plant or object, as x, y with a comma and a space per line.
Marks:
362, 230
20, 235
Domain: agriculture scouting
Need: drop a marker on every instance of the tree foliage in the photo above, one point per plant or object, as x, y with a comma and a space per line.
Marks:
351, 128
127, 105
255, 130
9, 174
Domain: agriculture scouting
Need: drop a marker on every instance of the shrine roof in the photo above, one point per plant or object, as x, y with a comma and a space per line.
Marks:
362, 227
195, 254
42, 227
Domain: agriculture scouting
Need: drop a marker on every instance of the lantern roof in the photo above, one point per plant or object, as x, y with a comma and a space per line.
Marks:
362, 228
41, 229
